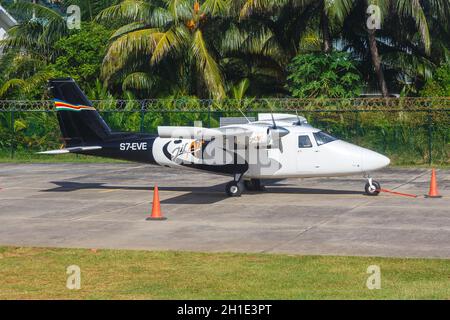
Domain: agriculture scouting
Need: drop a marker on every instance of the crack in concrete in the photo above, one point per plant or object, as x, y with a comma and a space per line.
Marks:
411, 180
314, 226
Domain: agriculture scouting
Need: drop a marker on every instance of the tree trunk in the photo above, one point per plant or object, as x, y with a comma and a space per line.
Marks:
327, 42
376, 62
34, 10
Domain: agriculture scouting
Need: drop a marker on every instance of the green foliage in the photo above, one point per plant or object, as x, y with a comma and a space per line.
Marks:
439, 84
78, 55
402, 135
81, 54
166, 47
318, 75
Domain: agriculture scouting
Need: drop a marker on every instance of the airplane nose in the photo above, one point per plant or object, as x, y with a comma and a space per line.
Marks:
373, 161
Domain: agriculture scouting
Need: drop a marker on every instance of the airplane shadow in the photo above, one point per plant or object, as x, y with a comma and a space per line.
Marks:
196, 195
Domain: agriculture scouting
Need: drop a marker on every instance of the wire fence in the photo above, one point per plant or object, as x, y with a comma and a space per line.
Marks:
270, 104
408, 130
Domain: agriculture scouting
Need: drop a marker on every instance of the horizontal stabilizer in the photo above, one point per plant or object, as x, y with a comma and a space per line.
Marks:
71, 150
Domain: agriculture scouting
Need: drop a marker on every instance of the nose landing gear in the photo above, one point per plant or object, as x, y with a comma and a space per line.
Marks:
372, 187
236, 187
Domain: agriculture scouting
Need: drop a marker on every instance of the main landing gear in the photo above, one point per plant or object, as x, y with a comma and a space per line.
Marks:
372, 187
234, 188
254, 185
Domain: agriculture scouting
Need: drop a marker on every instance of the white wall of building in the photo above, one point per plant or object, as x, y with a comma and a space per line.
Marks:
6, 22
2, 33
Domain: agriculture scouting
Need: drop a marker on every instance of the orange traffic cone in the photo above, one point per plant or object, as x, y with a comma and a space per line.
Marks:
156, 207
433, 193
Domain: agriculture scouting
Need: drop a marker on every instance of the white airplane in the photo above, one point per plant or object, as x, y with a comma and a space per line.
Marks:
277, 146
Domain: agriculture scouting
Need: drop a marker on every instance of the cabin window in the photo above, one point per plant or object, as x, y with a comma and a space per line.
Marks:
323, 138
304, 142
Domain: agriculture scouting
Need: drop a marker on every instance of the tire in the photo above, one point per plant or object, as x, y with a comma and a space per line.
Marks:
253, 185
233, 189
370, 191
248, 184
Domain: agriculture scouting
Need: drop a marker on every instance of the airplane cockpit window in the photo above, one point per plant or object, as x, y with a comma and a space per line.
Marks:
304, 142
323, 138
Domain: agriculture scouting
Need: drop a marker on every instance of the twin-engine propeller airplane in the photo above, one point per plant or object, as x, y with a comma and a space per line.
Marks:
277, 146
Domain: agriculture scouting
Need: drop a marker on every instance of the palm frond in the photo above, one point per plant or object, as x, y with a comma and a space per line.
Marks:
216, 7
90, 8
161, 17
134, 26
127, 10
11, 84
413, 9
127, 46
251, 6
37, 10
179, 9
172, 39
208, 66
338, 9
238, 91
138, 81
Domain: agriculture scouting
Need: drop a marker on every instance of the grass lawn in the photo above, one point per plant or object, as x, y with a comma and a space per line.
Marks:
40, 273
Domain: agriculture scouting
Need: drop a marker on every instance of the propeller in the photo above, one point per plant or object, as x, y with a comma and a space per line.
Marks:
280, 133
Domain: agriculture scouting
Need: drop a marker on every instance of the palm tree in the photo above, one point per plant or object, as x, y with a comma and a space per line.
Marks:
402, 10
36, 35
261, 40
332, 14
90, 8
42, 26
182, 33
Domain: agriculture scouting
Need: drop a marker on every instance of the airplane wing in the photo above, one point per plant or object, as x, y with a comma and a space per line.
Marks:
246, 134
253, 133
202, 133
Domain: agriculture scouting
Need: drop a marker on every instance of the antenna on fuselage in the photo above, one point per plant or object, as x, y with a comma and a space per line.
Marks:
244, 116
273, 120
299, 122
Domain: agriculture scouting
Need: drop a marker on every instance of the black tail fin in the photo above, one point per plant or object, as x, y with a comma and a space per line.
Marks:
80, 123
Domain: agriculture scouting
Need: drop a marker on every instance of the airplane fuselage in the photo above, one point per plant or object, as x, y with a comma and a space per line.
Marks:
276, 146
302, 153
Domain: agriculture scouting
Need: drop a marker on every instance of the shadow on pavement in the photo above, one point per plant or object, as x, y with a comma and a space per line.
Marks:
68, 186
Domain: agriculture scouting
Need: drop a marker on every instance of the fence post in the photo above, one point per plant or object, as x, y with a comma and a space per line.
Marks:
209, 114
430, 137
13, 134
142, 116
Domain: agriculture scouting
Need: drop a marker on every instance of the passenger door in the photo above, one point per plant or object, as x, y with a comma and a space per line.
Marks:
307, 154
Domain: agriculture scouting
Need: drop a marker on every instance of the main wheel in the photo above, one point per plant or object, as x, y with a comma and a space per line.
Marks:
253, 185
248, 185
233, 190
373, 190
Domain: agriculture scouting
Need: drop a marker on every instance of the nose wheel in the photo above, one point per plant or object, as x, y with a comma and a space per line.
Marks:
372, 187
